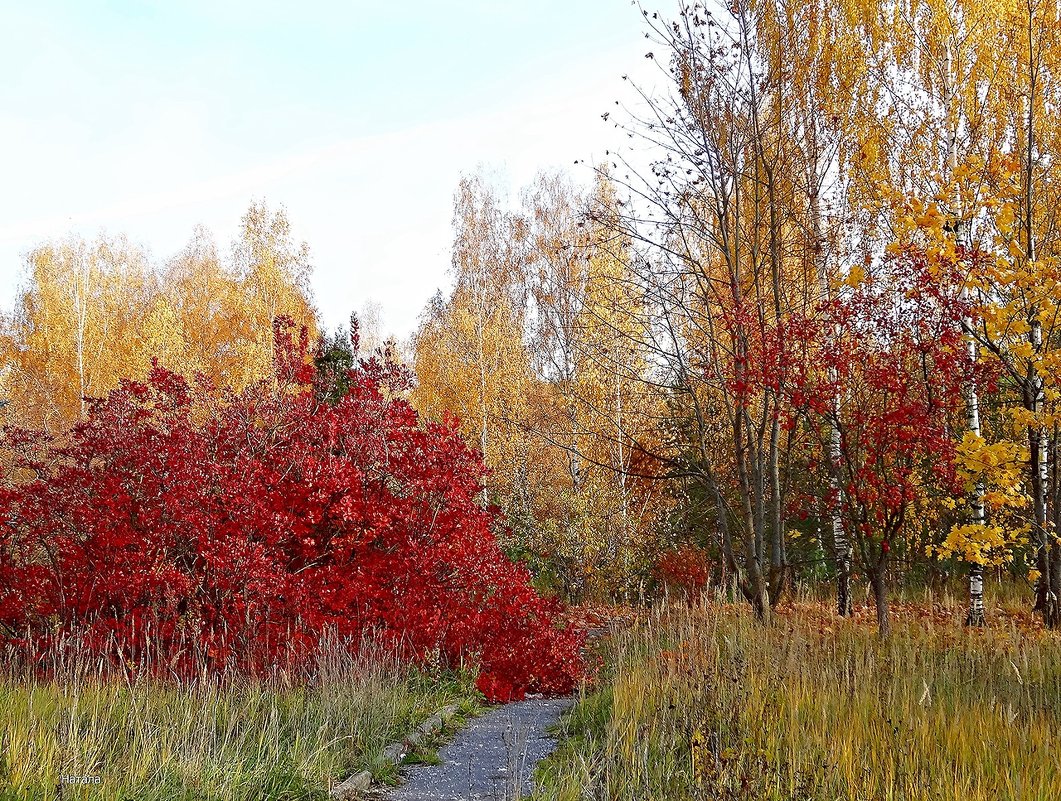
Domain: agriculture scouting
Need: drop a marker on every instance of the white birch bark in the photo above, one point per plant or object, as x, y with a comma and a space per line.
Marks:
841, 544
977, 513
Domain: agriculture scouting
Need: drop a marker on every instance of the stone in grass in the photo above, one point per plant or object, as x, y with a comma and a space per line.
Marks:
352, 787
396, 752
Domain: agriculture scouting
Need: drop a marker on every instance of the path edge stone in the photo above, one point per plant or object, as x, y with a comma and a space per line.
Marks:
353, 786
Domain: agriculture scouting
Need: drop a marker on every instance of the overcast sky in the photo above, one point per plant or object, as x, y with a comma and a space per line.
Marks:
147, 118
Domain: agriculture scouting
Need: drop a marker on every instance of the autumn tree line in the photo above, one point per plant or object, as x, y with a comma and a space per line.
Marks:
806, 322
805, 326
92, 312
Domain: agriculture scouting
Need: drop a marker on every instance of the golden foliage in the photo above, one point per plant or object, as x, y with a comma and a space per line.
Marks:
93, 313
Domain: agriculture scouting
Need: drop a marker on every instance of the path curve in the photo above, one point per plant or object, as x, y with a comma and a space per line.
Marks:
490, 759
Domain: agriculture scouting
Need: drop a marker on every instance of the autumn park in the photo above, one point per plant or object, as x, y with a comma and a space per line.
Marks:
722, 461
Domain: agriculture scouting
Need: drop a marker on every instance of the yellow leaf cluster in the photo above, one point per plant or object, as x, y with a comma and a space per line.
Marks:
983, 545
998, 466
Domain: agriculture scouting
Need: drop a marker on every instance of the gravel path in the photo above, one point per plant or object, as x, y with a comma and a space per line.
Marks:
491, 758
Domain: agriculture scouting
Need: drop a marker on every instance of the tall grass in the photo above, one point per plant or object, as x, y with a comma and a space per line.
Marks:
708, 703
287, 736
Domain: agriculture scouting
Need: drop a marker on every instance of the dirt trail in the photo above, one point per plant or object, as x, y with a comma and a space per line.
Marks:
492, 758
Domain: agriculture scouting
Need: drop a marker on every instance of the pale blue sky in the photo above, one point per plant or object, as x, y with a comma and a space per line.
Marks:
148, 117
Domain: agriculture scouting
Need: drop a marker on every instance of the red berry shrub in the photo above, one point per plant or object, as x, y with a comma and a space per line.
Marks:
684, 569
180, 523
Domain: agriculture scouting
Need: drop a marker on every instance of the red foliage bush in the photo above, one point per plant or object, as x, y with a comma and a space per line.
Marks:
684, 569
181, 523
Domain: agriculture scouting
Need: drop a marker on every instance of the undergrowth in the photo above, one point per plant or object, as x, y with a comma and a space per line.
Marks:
706, 702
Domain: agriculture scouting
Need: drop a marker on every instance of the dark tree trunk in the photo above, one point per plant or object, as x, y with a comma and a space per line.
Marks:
880, 601
844, 607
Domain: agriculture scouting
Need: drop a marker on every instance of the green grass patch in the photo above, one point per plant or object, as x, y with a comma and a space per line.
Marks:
231, 739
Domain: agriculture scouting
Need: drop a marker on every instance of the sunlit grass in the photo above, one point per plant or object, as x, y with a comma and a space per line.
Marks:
707, 703
285, 737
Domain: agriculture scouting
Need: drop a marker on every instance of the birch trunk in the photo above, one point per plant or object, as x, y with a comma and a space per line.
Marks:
975, 615
1046, 600
1046, 596
81, 280
841, 544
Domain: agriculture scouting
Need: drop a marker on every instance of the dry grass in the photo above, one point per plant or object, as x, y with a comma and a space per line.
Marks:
285, 737
707, 703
